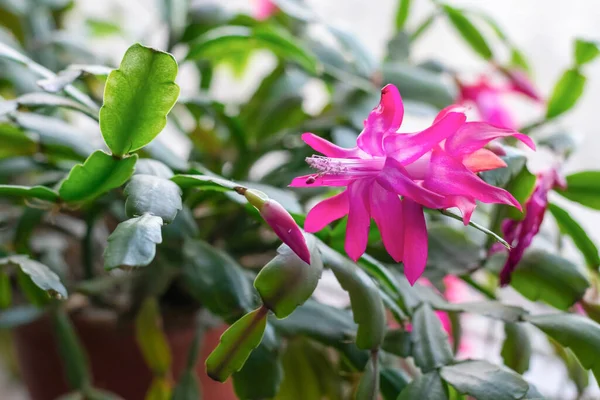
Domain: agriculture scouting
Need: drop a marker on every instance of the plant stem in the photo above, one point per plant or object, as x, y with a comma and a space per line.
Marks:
88, 245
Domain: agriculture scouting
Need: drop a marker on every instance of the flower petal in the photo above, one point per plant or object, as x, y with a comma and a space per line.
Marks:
394, 178
408, 148
386, 210
448, 176
326, 211
320, 180
465, 204
415, 240
357, 230
384, 118
327, 148
453, 108
483, 160
492, 109
473, 136
520, 82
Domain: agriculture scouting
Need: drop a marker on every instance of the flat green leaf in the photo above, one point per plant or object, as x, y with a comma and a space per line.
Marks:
221, 43
585, 51
204, 182
491, 309
286, 281
5, 291
568, 226
468, 31
427, 386
398, 49
516, 349
147, 194
368, 386
579, 375
55, 135
148, 166
71, 351
560, 142
26, 192
367, 306
430, 345
99, 174
38, 100
518, 60
151, 338
188, 387
360, 55
133, 242
262, 373
566, 92
16, 142
402, 13
101, 27
236, 345
19, 315
216, 280
451, 251
578, 333
160, 389
550, 278
485, 381
42, 276
398, 342
137, 98
393, 381
66, 77
584, 188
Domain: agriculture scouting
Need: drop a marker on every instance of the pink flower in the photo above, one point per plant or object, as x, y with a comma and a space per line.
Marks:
519, 82
520, 234
432, 168
279, 220
263, 9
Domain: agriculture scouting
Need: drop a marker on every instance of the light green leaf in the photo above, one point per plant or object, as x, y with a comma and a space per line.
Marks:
584, 188
427, 386
568, 226
42, 276
468, 31
550, 278
148, 166
566, 92
16, 142
204, 182
580, 334
402, 13
160, 389
147, 194
516, 350
286, 281
585, 51
151, 338
485, 381
99, 174
431, 348
38, 100
236, 345
137, 98
133, 242
26, 192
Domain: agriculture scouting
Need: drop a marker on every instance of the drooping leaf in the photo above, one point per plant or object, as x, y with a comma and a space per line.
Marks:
568, 226
485, 381
216, 280
137, 98
550, 278
516, 349
580, 334
205, 182
74, 360
19, 315
151, 338
26, 192
42, 276
99, 174
133, 242
367, 306
236, 345
147, 194
430, 346
584, 188
585, 51
579, 375
221, 43
468, 31
286, 281
427, 386
566, 92
16, 142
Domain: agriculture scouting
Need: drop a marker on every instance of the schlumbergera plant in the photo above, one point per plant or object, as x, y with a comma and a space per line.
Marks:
98, 213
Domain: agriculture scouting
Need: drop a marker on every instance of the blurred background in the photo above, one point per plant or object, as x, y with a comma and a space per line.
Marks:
543, 29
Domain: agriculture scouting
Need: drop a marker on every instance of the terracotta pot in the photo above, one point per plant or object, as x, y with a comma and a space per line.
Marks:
115, 360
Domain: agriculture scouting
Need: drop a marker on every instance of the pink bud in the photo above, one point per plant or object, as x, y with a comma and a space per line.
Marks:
286, 228
520, 82
263, 9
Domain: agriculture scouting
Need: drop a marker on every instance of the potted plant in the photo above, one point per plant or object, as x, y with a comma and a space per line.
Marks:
130, 271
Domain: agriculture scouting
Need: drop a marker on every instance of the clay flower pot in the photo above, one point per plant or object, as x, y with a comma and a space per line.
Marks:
115, 360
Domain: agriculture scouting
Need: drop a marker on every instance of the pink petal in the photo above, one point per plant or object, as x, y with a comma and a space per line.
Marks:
327, 148
322, 180
408, 148
448, 176
386, 210
326, 211
394, 178
520, 83
492, 110
357, 231
384, 118
473, 136
465, 204
415, 240
483, 160
454, 108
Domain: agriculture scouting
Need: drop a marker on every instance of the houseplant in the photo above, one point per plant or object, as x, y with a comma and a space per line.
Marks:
127, 241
